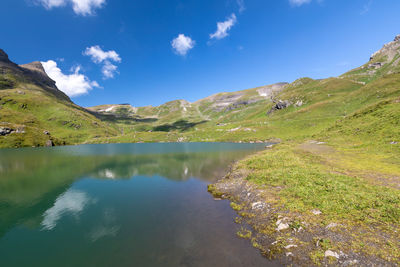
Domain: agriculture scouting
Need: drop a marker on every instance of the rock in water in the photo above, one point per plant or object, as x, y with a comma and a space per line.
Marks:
49, 143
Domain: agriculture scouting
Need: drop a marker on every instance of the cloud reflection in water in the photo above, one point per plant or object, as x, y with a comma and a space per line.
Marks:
72, 202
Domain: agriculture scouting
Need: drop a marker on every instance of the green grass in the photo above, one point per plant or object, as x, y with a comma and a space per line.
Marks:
35, 111
308, 184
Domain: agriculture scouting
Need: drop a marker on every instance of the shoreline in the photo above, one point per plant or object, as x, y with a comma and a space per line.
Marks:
294, 237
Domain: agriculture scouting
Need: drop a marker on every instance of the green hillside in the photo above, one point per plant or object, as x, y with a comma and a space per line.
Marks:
333, 182
31, 105
33, 112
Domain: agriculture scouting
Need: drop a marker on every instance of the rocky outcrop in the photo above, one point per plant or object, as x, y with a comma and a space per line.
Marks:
4, 56
375, 65
37, 72
5, 131
281, 104
240, 104
117, 110
269, 90
382, 62
388, 51
35, 66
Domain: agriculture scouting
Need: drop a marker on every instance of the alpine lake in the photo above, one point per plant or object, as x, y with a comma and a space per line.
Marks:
120, 205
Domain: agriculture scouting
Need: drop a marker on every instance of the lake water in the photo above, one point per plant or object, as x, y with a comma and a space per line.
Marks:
120, 205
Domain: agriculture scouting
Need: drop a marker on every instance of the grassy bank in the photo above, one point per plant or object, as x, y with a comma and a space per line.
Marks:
327, 204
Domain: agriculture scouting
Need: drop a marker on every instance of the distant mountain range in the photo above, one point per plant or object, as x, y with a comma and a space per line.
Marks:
33, 112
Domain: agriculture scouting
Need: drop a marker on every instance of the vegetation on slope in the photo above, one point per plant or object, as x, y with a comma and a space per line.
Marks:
35, 117
329, 194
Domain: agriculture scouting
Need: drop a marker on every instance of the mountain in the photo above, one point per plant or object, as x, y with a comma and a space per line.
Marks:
382, 62
12, 74
33, 111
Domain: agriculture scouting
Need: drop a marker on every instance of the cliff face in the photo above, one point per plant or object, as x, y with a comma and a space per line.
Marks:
12, 74
3, 56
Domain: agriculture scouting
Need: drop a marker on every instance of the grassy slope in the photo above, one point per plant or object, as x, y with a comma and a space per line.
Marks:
29, 108
353, 179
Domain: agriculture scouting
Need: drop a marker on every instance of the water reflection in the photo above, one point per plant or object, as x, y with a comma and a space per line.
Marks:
70, 203
146, 204
106, 227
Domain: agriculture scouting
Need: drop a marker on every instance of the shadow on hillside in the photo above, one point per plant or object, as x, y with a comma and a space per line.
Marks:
180, 125
122, 119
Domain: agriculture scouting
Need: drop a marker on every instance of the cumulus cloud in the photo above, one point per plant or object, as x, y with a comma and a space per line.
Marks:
299, 2
224, 27
108, 70
80, 7
182, 44
73, 84
99, 56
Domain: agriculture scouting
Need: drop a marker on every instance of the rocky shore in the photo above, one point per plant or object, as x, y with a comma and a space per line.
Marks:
294, 238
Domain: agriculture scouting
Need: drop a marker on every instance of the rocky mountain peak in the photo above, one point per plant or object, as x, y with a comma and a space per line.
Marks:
30, 73
35, 66
388, 51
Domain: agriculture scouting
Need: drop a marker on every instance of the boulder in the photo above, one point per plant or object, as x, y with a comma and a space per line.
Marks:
257, 205
280, 105
330, 253
375, 65
316, 212
299, 103
5, 131
20, 130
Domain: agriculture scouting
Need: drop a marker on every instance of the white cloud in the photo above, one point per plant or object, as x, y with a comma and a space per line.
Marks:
224, 27
86, 7
182, 44
72, 202
108, 70
73, 84
299, 2
80, 7
241, 5
99, 56
49, 4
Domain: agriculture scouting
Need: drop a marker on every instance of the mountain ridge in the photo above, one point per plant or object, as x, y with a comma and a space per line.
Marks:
29, 99
33, 71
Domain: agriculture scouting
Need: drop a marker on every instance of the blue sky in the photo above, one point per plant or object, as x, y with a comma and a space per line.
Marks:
115, 51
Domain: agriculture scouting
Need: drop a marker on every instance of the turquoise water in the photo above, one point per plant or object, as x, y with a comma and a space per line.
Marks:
120, 205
